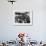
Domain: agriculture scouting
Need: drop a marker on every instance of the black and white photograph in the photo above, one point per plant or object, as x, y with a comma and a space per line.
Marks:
23, 17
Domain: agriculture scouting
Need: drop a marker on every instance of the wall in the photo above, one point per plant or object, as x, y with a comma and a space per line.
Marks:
37, 30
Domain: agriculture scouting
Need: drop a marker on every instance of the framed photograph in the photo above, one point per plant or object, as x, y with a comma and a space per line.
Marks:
23, 17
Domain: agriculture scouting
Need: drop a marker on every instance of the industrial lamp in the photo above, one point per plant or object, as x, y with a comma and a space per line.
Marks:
12, 1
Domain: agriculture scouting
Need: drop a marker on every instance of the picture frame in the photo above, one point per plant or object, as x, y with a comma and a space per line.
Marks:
23, 17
